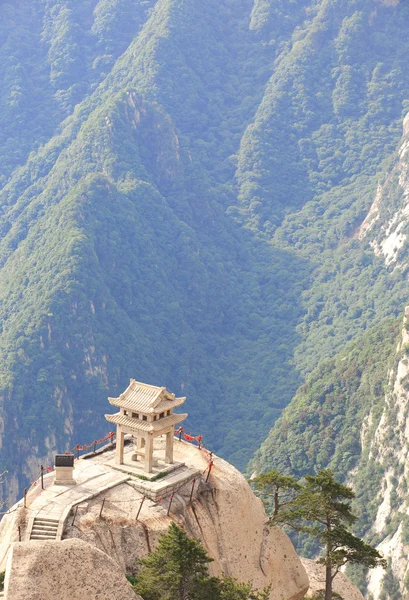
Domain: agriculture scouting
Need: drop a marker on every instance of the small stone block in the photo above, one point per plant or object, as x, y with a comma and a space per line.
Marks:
64, 476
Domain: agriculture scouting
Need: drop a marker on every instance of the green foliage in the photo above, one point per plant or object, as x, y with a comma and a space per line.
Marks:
182, 185
322, 426
231, 589
177, 569
131, 579
277, 491
322, 509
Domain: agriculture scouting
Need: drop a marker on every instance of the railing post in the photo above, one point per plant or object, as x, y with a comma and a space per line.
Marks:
139, 509
210, 468
102, 507
42, 477
170, 504
75, 514
191, 492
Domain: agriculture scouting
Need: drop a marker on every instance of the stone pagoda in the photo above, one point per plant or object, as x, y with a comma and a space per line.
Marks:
146, 412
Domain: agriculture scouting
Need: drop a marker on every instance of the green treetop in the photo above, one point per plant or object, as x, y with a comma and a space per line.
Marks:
321, 508
278, 490
178, 570
175, 570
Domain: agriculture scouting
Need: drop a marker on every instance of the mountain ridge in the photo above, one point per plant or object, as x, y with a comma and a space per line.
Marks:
188, 215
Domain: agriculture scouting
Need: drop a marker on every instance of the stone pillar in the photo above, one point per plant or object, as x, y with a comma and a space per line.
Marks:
138, 447
119, 451
169, 447
148, 453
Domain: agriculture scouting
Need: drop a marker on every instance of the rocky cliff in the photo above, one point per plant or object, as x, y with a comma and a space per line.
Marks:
223, 513
389, 447
387, 228
386, 225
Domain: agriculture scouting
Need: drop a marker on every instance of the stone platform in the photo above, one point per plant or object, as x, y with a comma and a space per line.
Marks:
165, 486
162, 482
136, 468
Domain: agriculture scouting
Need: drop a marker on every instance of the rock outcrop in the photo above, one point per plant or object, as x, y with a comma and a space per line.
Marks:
225, 515
386, 224
342, 585
67, 570
389, 448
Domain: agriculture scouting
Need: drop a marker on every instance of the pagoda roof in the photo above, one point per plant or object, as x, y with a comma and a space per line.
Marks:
145, 398
153, 427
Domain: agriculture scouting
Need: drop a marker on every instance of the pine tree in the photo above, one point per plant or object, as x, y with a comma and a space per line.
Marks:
322, 509
178, 570
231, 589
281, 489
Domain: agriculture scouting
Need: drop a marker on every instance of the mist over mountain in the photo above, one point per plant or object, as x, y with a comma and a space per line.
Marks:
183, 190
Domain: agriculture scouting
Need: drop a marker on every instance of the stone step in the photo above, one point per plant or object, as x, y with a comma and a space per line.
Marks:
45, 525
50, 533
45, 520
44, 529
38, 536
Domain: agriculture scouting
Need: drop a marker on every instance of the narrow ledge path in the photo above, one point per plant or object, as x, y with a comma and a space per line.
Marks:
51, 507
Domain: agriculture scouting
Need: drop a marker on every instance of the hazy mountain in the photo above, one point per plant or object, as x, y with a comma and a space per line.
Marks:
183, 187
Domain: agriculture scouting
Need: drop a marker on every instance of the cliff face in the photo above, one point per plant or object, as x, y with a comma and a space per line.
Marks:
389, 449
386, 226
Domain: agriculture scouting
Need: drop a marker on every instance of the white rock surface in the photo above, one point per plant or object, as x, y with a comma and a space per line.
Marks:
386, 222
66, 570
389, 447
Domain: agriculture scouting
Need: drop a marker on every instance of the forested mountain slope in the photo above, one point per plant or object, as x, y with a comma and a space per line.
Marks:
182, 189
351, 415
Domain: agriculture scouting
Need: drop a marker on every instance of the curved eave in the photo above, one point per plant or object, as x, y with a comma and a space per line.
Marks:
154, 427
167, 405
114, 401
163, 406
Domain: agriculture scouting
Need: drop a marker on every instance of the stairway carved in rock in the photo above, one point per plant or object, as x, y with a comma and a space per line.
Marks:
44, 529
